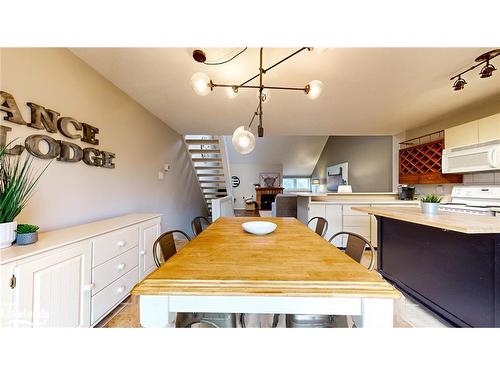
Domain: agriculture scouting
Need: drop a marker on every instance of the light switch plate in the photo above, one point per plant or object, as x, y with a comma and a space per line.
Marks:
161, 175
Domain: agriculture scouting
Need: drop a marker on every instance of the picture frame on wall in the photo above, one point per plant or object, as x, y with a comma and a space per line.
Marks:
336, 175
270, 179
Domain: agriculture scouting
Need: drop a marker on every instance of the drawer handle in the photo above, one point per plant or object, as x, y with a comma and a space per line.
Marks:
120, 290
121, 243
89, 287
121, 267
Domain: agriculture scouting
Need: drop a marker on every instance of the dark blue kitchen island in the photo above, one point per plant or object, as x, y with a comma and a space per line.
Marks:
450, 263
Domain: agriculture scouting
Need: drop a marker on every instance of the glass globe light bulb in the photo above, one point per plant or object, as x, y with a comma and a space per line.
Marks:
231, 92
200, 84
315, 89
243, 140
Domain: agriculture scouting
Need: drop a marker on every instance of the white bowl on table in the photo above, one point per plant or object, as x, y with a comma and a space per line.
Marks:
259, 227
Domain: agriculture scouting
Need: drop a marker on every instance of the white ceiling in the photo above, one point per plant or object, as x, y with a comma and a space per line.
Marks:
368, 91
298, 155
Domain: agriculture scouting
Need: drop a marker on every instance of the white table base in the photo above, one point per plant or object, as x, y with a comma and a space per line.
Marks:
159, 311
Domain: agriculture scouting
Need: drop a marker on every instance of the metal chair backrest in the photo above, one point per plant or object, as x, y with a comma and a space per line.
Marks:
321, 225
166, 246
198, 224
356, 246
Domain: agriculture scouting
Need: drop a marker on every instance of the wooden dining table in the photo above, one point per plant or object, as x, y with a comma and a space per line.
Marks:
290, 271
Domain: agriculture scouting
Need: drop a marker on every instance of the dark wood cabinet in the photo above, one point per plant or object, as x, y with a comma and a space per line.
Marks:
421, 164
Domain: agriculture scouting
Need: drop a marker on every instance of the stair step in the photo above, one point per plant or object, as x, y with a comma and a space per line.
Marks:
207, 160
210, 174
202, 141
204, 167
205, 151
207, 195
212, 182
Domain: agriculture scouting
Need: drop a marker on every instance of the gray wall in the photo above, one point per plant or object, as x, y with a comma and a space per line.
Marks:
369, 158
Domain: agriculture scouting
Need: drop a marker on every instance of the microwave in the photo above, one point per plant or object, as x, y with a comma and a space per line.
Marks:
475, 158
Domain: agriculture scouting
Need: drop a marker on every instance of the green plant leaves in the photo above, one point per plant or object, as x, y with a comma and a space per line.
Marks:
431, 198
26, 228
17, 183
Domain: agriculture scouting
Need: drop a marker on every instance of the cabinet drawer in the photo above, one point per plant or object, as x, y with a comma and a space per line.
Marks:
348, 210
115, 243
111, 270
357, 221
103, 301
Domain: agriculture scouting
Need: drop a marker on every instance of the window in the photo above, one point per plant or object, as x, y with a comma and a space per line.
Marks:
297, 183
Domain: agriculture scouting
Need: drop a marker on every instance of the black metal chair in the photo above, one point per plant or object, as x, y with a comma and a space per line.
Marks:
355, 248
198, 224
321, 225
163, 248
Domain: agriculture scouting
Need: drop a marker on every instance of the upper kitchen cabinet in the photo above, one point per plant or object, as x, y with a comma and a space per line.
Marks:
420, 161
462, 135
489, 128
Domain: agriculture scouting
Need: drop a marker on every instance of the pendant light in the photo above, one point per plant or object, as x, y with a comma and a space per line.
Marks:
243, 140
200, 83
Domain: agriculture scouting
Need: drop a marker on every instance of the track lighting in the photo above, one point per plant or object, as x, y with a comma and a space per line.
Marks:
486, 71
459, 84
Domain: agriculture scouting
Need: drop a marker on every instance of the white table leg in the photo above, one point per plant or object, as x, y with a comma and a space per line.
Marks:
155, 312
375, 313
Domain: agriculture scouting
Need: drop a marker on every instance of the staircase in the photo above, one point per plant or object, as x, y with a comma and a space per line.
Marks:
208, 158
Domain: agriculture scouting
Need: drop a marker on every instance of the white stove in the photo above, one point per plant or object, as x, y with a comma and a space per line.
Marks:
478, 200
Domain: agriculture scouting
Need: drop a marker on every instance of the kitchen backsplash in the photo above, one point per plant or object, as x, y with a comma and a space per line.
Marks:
480, 178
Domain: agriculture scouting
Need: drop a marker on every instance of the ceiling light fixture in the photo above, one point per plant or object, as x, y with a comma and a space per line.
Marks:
459, 84
486, 71
203, 85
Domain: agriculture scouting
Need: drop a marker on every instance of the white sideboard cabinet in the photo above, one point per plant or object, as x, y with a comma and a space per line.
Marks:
75, 276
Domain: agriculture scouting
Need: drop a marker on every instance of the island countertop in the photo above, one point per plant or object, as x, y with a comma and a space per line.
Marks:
457, 222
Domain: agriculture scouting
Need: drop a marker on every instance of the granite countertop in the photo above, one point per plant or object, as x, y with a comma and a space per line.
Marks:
453, 221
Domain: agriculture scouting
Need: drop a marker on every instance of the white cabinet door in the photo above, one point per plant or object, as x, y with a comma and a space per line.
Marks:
149, 232
334, 217
489, 128
6, 294
54, 290
316, 210
355, 221
461, 135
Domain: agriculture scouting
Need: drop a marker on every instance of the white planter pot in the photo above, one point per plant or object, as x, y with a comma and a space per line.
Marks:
7, 234
430, 208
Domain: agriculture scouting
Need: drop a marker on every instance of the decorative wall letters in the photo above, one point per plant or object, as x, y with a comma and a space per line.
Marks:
46, 119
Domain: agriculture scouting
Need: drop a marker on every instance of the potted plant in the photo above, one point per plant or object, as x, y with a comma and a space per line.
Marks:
17, 182
26, 234
430, 204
